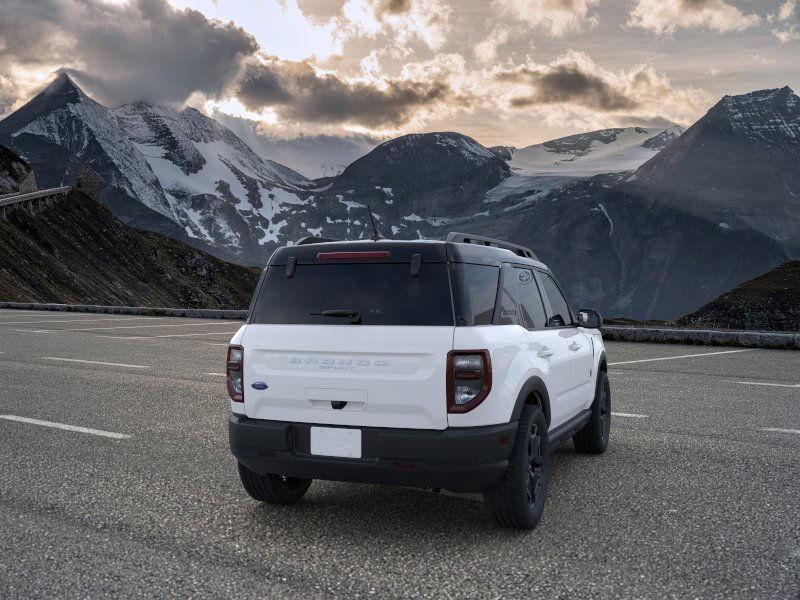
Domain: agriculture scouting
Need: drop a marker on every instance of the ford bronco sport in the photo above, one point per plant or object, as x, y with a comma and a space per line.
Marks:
454, 364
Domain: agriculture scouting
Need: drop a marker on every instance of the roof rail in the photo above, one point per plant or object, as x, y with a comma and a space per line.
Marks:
313, 239
468, 238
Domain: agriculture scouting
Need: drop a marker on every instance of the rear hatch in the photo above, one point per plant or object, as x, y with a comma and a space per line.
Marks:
354, 338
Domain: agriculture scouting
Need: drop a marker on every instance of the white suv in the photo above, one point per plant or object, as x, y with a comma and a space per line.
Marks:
452, 364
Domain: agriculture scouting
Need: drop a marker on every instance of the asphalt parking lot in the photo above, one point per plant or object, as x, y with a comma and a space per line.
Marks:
698, 495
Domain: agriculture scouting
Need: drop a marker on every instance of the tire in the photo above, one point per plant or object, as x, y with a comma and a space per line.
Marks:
593, 438
517, 501
275, 489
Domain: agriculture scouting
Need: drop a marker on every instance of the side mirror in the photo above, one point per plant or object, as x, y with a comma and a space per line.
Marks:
590, 319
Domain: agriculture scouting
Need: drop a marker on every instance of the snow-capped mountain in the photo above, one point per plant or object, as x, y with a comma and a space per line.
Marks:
739, 165
714, 207
176, 172
593, 153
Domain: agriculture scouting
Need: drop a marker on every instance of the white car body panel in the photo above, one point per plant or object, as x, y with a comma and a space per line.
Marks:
389, 376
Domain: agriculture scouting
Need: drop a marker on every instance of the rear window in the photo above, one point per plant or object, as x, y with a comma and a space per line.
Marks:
383, 294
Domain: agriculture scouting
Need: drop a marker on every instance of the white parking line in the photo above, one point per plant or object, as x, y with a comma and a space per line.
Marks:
191, 334
100, 432
644, 360
628, 415
786, 385
216, 374
94, 362
779, 430
127, 327
152, 337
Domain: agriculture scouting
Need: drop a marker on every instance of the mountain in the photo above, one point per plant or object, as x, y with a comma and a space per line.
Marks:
14, 172
717, 206
593, 153
75, 251
430, 177
179, 173
739, 165
770, 302
657, 242
630, 256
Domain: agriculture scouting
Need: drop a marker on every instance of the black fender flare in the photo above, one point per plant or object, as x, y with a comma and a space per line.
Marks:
602, 367
533, 385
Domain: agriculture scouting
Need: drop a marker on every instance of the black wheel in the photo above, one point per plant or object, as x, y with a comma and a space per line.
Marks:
517, 501
593, 438
275, 489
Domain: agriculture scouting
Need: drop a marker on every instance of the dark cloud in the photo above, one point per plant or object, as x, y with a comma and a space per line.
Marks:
567, 83
296, 92
394, 7
695, 4
141, 50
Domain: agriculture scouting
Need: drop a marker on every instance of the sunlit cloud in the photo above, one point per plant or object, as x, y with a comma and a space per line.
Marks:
280, 27
555, 17
406, 21
664, 17
235, 108
788, 28
486, 50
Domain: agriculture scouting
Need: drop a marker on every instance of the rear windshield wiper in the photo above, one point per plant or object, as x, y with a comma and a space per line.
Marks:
353, 315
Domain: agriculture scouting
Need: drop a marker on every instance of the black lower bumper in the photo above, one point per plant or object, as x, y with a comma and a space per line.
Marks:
460, 460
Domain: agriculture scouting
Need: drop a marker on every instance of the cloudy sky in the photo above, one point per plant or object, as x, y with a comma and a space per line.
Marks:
503, 71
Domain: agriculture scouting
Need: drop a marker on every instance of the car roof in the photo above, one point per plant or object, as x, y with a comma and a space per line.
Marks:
402, 251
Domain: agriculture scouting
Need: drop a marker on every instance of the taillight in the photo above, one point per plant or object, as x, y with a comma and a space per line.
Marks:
235, 373
469, 379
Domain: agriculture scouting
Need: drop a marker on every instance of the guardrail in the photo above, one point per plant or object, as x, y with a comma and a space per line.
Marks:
198, 313
705, 337
15, 198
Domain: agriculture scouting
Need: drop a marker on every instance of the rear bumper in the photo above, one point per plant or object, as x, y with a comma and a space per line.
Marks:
460, 460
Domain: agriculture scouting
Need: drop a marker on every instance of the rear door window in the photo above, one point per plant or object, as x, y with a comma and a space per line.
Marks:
558, 304
383, 294
530, 300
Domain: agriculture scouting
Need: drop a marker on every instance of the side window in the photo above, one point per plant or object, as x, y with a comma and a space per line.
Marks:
508, 298
482, 282
557, 301
530, 300
474, 293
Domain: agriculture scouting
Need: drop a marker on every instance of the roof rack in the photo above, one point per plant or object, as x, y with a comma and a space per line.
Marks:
313, 239
468, 238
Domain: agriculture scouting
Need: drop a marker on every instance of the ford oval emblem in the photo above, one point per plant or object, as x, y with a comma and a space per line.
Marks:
259, 385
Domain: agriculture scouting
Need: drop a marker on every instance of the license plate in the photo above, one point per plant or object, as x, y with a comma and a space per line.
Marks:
336, 441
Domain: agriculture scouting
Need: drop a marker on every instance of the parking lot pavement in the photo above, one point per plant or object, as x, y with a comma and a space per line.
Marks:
698, 495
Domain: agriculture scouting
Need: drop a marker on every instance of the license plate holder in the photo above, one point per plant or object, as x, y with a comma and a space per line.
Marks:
341, 442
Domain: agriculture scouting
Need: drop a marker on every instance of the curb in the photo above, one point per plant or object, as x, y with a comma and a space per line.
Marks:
705, 337
197, 313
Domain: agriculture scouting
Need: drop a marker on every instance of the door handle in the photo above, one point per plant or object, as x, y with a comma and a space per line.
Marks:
545, 352
574, 347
